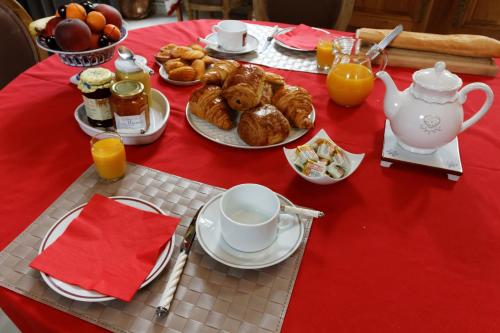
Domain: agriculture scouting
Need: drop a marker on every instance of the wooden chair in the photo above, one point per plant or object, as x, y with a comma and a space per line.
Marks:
193, 7
19, 51
318, 13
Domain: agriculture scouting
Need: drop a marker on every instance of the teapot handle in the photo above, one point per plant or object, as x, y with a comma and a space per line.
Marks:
462, 97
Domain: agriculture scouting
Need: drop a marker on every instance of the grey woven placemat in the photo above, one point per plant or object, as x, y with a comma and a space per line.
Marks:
275, 55
211, 297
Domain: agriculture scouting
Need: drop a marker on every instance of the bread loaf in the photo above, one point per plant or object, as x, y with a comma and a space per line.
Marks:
464, 45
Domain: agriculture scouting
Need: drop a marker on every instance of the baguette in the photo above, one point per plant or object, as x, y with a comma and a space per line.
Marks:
464, 45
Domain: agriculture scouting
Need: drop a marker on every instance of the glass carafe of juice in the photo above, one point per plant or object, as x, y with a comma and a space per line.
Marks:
350, 79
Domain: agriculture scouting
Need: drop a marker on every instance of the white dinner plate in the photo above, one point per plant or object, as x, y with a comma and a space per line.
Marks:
284, 31
158, 116
208, 233
231, 138
251, 45
84, 295
164, 76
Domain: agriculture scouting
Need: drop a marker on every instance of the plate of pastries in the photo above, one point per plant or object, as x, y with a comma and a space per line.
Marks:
183, 65
242, 105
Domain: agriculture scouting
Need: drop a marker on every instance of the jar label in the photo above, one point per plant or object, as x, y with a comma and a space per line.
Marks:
131, 124
97, 109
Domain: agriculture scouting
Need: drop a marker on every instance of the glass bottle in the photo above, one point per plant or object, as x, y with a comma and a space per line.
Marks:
94, 84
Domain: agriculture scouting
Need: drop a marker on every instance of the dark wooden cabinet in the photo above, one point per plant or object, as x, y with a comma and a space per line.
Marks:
480, 17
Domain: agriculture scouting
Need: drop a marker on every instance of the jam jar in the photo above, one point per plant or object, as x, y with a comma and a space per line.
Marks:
95, 86
129, 104
132, 69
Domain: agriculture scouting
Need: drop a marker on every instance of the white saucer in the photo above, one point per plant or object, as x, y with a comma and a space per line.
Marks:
252, 44
79, 294
164, 76
208, 233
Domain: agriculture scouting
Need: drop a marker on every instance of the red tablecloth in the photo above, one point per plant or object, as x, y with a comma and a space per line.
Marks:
400, 250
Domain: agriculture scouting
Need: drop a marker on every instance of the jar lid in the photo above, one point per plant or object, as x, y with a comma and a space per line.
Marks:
437, 78
130, 65
95, 78
127, 88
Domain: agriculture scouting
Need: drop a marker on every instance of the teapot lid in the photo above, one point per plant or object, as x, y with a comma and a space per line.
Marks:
437, 78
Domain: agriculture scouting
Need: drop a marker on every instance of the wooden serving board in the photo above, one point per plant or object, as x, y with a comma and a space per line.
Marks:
454, 63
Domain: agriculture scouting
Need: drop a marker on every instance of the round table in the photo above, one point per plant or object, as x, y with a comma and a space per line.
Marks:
400, 249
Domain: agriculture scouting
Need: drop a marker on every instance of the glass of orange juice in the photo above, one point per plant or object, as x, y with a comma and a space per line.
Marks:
324, 54
350, 79
108, 153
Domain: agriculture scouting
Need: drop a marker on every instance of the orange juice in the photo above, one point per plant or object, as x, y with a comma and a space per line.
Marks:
109, 158
349, 84
324, 53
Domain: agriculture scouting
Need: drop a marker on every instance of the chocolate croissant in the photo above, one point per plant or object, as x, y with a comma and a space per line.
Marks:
296, 104
207, 103
244, 87
219, 71
263, 125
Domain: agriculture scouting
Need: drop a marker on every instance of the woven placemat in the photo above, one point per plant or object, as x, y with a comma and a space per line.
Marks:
275, 55
211, 297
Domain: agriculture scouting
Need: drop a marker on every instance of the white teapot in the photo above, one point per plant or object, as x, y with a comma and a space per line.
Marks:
429, 114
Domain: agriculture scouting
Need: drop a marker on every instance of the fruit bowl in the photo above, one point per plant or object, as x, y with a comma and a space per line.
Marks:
87, 58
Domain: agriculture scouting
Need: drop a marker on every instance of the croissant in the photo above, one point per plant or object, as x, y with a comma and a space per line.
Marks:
244, 87
296, 105
219, 71
207, 103
263, 125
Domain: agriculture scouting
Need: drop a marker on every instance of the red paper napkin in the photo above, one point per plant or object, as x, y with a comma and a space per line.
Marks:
303, 37
110, 248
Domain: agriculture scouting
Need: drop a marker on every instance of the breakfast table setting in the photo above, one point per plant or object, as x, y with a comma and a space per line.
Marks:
244, 183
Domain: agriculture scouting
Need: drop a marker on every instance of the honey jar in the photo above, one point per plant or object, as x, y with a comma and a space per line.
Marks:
129, 104
94, 84
132, 69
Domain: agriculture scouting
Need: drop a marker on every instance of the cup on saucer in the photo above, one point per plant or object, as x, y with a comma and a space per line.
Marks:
231, 34
249, 217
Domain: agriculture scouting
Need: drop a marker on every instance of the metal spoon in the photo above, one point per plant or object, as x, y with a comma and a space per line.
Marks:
127, 54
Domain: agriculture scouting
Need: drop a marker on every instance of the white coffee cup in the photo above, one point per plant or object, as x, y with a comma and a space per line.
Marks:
249, 217
231, 34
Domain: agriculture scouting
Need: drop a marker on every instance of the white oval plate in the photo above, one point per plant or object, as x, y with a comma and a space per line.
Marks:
252, 44
158, 116
354, 160
289, 238
84, 295
231, 138
164, 76
284, 31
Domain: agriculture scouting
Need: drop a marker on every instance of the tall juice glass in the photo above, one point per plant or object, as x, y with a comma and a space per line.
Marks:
108, 153
350, 79
324, 54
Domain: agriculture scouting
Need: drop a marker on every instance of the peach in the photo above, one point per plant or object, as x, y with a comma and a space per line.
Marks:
112, 32
111, 14
96, 21
50, 26
94, 41
72, 35
76, 11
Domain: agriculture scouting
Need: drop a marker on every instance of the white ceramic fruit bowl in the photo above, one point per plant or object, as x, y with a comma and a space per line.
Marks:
88, 58
353, 162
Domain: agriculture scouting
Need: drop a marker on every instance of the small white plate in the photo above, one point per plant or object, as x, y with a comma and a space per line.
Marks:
84, 295
353, 160
231, 138
208, 233
164, 76
284, 31
158, 115
251, 45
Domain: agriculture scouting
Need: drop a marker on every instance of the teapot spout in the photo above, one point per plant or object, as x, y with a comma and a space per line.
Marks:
392, 95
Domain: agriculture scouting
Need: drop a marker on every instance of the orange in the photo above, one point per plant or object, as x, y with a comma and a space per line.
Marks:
76, 11
96, 21
94, 41
112, 32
